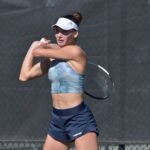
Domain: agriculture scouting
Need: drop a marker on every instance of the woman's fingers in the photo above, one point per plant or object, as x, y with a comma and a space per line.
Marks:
45, 41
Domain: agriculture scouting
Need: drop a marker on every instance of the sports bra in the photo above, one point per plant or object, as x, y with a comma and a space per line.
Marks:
64, 79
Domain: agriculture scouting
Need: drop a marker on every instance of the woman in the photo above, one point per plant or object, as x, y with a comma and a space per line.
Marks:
65, 63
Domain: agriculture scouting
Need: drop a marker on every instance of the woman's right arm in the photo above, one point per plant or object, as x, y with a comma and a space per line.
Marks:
29, 70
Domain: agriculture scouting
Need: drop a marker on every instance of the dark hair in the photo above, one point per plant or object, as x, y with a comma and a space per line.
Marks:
76, 17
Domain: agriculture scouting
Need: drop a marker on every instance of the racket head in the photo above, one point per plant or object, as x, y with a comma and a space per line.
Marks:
98, 83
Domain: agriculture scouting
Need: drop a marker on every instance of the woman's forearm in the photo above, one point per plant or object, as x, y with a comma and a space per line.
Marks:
29, 69
26, 65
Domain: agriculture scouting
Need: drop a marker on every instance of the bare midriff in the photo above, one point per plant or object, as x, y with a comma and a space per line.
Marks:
66, 100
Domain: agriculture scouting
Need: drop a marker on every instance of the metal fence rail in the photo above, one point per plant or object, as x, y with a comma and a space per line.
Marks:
37, 145
114, 34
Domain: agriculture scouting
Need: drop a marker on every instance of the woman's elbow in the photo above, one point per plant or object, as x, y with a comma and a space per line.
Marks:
35, 52
23, 78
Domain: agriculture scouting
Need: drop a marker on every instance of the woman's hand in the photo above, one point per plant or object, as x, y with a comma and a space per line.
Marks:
39, 44
41, 47
45, 41
48, 44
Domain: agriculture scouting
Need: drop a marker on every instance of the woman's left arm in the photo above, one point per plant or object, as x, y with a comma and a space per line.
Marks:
70, 52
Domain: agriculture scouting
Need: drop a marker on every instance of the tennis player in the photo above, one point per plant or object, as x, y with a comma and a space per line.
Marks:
65, 63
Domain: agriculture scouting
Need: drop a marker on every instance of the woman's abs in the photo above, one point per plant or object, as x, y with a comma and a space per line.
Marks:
66, 100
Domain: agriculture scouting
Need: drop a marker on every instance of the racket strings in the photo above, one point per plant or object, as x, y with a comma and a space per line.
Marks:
98, 82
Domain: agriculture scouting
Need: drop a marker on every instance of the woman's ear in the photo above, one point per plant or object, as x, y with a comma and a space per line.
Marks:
76, 34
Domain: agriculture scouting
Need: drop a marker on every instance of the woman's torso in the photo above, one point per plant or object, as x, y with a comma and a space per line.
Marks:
67, 83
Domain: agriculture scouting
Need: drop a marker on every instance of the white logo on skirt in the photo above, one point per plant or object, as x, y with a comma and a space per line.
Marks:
77, 134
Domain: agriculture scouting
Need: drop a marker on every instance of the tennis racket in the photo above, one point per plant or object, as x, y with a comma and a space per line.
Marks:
98, 84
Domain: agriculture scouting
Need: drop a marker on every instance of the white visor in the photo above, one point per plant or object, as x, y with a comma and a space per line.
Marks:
66, 24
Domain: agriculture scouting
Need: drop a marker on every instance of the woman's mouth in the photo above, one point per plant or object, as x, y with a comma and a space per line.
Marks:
60, 41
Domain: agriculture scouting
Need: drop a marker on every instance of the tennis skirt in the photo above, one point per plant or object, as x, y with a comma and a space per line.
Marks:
68, 124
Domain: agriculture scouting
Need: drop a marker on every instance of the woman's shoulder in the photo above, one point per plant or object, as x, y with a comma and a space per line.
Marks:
75, 48
73, 52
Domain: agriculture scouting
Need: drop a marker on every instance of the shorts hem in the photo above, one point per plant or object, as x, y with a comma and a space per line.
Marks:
85, 132
59, 139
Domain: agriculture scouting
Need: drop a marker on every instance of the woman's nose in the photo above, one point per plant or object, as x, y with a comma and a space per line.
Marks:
59, 34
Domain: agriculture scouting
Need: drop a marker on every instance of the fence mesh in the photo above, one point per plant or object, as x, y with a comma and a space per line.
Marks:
114, 34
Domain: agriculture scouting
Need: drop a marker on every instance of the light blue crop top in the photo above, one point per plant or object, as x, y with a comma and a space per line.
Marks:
64, 79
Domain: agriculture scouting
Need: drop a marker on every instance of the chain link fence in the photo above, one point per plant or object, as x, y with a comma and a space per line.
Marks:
38, 145
114, 34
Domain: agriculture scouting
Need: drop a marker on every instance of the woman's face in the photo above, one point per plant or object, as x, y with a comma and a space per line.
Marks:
65, 37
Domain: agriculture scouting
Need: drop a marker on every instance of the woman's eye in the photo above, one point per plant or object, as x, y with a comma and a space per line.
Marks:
56, 31
64, 32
